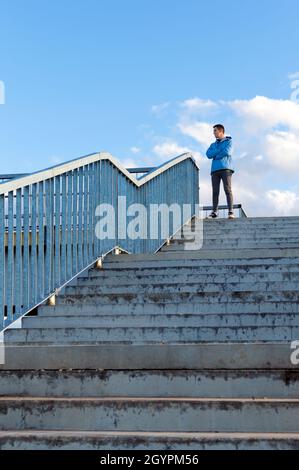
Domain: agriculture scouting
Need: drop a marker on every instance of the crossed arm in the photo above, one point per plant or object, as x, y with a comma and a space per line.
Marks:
217, 151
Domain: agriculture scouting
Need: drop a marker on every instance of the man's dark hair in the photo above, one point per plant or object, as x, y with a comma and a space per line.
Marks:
220, 127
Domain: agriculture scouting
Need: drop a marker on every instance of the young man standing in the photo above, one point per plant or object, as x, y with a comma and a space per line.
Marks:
222, 169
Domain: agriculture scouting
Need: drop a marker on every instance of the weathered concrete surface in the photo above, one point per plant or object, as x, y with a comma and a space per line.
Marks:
179, 414
103, 440
152, 334
175, 350
237, 307
150, 356
226, 383
162, 320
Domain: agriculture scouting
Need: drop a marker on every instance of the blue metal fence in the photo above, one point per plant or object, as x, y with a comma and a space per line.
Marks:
48, 221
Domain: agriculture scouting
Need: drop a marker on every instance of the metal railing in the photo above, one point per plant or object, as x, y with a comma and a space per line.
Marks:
48, 220
223, 210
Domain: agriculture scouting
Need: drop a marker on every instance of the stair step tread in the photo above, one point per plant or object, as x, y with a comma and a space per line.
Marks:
146, 440
158, 434
24, 400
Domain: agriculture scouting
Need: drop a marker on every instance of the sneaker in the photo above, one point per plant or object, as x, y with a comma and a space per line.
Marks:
231, 215
213, 215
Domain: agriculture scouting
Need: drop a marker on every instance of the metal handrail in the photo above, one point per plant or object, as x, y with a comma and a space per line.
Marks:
48, 221
10, 176
224, 207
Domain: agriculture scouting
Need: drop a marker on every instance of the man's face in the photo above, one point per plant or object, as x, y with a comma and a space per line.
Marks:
218, 133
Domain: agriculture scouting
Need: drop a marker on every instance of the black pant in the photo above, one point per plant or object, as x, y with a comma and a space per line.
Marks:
225, 176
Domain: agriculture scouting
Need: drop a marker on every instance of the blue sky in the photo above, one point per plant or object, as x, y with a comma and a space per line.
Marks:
84, 76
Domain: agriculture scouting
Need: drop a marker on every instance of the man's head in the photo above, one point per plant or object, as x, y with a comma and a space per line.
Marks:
219, 131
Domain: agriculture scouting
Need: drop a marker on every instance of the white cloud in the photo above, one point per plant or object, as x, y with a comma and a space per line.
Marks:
283, 202
135, 149
282, 149
170, 149
202, 132
128, 163
197, 104
261, 113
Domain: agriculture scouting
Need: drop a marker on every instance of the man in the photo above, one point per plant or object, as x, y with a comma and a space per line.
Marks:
222, 169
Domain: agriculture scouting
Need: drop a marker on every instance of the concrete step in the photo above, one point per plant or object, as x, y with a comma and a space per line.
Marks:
216, 235
280, 220
223, 256
181, 414
237, 307
222, 286
152, 320
132, 273
239, 227
201, 296
147, 383
256, 231
275, 355
147, 272
168, 334
112, 440
226, 225
223, 240
235, 237
178, 278
239, 244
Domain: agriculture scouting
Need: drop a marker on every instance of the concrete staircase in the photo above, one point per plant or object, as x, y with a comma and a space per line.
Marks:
175, 350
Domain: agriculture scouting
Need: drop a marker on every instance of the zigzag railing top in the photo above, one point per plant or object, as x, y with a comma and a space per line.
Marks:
61, 168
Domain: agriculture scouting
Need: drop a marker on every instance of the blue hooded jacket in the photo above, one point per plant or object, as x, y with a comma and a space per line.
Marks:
220, 152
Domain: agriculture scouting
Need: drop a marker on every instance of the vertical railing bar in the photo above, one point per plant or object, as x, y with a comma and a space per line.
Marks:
33, 272
48, 236
110, 193
80, 215
18, 265
10, 259
69, 224
63, 229
41, 248
26, 250
57, 231
85, 223
104, 195
98, 201
52, 278
91, 215
95, 193
75, 216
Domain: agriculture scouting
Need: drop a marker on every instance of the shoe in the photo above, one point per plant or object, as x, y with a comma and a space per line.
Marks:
212, 215
231, 215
